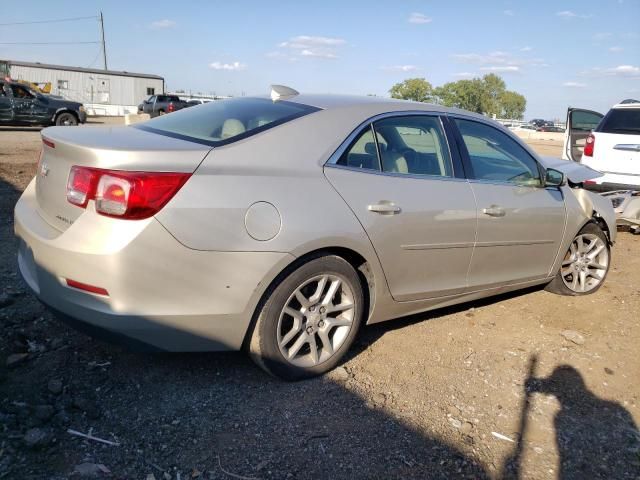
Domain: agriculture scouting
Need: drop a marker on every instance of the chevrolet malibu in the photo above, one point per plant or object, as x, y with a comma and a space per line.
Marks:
280, 225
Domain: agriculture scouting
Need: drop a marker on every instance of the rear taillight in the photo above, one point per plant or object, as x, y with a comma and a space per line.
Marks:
171, 107
590, 145
121, 194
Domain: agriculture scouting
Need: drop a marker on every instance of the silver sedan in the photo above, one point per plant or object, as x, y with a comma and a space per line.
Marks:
281, 225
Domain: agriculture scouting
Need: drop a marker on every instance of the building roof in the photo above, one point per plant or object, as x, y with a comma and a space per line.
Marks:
80, 69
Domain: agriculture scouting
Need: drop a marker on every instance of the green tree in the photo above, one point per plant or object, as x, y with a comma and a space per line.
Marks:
513, 105
416, 89
492, 87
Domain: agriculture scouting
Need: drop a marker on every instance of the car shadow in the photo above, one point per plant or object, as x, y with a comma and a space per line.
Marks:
20, 129
218, 416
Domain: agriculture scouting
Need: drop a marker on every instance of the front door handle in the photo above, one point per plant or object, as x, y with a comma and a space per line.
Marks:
384, 208
494, 211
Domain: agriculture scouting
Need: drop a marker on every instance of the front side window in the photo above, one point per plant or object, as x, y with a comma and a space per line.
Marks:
413, 145
20, 92
494, 156
226, 120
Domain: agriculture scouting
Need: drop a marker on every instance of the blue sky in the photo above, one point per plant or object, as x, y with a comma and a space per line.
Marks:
557, 53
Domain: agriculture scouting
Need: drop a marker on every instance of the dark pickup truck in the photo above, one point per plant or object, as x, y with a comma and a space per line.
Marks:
160, 104
21, 105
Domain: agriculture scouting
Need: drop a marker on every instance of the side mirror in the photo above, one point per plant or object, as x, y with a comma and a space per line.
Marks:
554, 178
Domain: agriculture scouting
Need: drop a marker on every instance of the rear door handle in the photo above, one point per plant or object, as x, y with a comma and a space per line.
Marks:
628, 147
494, 211
384, 208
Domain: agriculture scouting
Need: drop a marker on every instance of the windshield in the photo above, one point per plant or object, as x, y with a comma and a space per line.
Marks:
226, 121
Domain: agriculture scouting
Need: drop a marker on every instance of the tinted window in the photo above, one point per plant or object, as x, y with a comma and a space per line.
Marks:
587, 121
161, 98
226, 120
362, 152
620, 120
497, 157
20, 92
413, 145
2, 92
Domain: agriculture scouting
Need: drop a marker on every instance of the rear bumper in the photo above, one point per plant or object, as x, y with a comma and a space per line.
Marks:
161, 294
610, 182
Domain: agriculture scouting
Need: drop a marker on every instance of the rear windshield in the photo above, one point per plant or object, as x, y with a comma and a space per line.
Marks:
225, 121
621, 120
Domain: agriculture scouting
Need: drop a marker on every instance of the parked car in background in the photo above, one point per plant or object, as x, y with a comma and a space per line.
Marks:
22, 105
157, 105
280, 225
608, 143
193, 103
549, 128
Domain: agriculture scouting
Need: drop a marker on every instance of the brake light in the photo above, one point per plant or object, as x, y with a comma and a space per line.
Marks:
48, 143
122, 194
590, 145
81, 185
171, 107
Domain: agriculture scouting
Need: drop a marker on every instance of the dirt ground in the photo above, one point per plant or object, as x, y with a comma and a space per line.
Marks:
527, 385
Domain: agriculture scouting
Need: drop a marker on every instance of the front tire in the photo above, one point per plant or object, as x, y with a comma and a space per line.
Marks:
66, 119
309, 319
585, 265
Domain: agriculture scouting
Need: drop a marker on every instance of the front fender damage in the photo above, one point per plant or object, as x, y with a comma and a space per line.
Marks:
599, 209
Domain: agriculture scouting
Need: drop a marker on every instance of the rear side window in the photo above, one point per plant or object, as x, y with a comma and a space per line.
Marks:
621, 120
362, 152
226, 121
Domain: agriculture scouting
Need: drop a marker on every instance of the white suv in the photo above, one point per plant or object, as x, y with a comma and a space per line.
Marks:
609, 144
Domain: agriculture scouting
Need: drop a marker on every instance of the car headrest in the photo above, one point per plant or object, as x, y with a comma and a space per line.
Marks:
370, 148
231, 127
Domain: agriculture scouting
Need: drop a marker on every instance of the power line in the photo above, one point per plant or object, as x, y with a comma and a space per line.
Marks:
47, 43
49, 21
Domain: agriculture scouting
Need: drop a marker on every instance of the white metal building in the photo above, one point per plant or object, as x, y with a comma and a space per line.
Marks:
103, 92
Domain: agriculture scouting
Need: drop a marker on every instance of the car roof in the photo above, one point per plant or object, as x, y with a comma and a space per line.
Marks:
371, 105
629, 103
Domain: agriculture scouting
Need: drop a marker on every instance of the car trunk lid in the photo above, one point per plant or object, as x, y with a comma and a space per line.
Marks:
115, 148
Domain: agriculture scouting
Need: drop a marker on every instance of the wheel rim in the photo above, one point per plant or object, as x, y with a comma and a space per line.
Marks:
316, 320
585, 264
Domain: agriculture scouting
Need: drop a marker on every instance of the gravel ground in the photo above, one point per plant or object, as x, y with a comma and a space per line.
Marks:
527, 385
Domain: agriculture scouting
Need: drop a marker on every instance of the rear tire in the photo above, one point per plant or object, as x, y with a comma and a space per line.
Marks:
585, 265
309, 320
66, 119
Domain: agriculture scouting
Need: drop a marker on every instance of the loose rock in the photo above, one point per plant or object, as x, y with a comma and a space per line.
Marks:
36, 437
44, 412
16, 358
87, 470
573, 336
55, 386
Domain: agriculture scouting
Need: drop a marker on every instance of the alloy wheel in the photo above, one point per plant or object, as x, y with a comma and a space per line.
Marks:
585, 264
316, 320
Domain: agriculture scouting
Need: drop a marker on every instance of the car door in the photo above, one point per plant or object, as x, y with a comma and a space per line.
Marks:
407, 189
520, 222
23, 104
6, 104
147, 105
580, 123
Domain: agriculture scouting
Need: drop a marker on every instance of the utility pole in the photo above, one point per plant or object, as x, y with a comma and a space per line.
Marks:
104, 45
